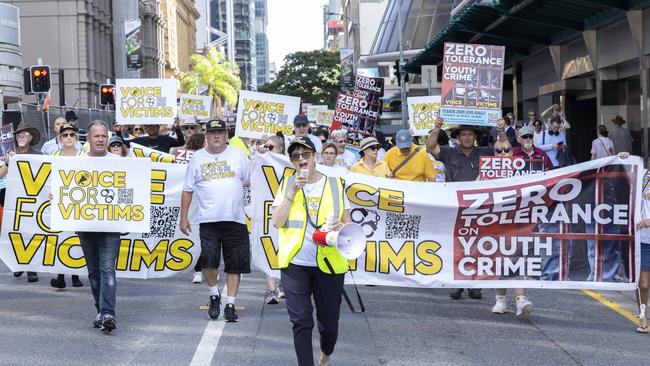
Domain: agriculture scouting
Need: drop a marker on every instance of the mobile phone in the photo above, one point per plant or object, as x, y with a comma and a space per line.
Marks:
304, 173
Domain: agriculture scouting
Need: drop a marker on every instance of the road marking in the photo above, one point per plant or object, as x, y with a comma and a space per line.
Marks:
209, 342
612, 305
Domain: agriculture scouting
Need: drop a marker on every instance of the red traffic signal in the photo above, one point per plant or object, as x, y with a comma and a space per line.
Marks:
38, 79
107, 94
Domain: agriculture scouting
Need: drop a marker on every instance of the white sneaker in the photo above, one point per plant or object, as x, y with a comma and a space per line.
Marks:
198, 277
501, 305
524, 306
280, 291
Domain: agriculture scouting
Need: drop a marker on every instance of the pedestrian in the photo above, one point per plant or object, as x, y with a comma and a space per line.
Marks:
305, 201
461, 165
536, 158
502, 148
273, 144
117, 146
369, 163
643, 230
218, 174
507, 129
554, 141
25, 138
532, 117
344, 158
51, 145
157, 141
135, 131
71, 116
555, 112
328, 154
539, 133
188, 128
621, 137
301, 129
407, 161
323, 134
602, 146
120, 130
100, 248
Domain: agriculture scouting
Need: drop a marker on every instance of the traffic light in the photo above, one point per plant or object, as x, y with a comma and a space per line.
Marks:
107, 94
37, 79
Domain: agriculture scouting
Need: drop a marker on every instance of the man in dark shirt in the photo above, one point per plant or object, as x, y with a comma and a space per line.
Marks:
160, 142
462, 164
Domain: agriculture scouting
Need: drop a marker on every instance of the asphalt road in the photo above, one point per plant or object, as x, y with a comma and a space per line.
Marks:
160, 323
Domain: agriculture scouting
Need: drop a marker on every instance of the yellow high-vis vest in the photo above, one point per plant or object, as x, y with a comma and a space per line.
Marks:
292, 235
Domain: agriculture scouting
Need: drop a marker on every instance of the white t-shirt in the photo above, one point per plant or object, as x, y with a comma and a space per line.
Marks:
602, 147
52, 145
346, 160
306, 256
218, 180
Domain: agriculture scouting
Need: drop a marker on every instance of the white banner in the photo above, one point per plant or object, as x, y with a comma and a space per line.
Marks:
100, 194
260, 114
423, 112
325, 117
141, 151
196, 106
145, 101
27, 243
518, 232
313, 110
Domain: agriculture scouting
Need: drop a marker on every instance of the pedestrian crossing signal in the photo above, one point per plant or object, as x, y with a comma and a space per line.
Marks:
107, 94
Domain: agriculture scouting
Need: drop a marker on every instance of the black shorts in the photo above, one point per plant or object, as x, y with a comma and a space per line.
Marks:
230, 236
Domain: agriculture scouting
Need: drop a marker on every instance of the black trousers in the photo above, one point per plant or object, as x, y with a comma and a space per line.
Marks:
300, 283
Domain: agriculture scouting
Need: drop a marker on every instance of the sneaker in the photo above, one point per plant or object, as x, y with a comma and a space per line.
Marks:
271, 298
198, 277
524, 306
58, 282
280, 291
213, 307
474, 293
108, 323
230, 313
76, 282
18, 274
501, 305
98, 321
455, 293
32, 277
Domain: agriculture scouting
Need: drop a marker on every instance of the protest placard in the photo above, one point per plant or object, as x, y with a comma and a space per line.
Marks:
6, 146
100, 194
352, 113
183, 155
141, 151
423, 112
472, 82
195, 106
325, 118
313, 110
145, 101
497, 167
260, 114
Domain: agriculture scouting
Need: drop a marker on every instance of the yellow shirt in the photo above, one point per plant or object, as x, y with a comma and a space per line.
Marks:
418, 169
379, 170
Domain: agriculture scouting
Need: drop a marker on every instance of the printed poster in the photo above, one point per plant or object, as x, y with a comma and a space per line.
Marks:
423, 112
194, 106
472, 84
325, 118
145, 101
313, 110
133, 46
260, 114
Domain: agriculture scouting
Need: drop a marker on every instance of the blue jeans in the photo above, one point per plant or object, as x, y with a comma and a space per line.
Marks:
100, 251
610, 253
551, 262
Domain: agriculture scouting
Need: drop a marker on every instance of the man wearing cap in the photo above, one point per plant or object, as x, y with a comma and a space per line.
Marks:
25, 137
407, 161
189, 127
301, 129
157, 141
530, 152
217, 174
461, 165
71, 116
369, 163
305, 201
620, 136
51, 145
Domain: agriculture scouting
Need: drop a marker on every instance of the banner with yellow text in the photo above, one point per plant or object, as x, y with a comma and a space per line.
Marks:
423, 112
145, 101
260, 114
28, 243
196, 106
526, 231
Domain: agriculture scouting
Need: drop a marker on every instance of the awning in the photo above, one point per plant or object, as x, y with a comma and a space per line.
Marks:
523, 27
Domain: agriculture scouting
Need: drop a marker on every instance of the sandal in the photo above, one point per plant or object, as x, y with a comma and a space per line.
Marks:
641, 329
643, 326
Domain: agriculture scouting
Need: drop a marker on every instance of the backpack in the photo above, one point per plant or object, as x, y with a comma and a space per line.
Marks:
564, 157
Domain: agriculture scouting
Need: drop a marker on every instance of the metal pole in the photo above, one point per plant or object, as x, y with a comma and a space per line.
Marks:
401, 62
61, 87
230, 29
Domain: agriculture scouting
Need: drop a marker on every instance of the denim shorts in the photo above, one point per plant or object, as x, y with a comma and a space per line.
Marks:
645, 256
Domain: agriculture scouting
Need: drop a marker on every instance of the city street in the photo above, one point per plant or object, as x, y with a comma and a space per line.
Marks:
160, 322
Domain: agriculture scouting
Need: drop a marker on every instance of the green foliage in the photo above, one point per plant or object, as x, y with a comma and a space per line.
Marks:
313, 76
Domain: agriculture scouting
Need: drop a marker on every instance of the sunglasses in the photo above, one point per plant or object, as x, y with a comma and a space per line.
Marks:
527, 137
137, 129
68, 134
302, 155
188, 128
115, 144
268, 146
374, 148
502, 151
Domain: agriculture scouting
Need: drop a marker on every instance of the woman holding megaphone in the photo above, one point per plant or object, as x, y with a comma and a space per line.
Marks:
304, 202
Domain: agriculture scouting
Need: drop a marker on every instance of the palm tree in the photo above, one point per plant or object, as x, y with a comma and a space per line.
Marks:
217, 73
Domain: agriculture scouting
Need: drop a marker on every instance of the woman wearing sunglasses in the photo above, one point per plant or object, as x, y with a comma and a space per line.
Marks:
273, 144
116, 146
369, 165
68, 135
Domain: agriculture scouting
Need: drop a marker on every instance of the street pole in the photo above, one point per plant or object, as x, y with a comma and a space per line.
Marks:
230, 29
401, 62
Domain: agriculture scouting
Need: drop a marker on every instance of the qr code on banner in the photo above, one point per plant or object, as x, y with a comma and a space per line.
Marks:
247, 196
161, 101
164, 221
399, 226
125, 196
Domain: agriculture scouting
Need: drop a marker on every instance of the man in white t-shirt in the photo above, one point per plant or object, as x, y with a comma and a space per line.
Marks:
344, 158
218, 174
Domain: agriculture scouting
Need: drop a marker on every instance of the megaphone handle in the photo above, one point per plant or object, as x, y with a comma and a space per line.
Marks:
362, 308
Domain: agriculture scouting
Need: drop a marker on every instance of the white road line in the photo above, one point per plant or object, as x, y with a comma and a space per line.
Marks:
209, 342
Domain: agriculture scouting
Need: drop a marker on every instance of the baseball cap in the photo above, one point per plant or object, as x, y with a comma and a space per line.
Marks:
71, 116
115, 138
215, 125
301, 141
527, 130
300, 119
403, 139
68, 126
